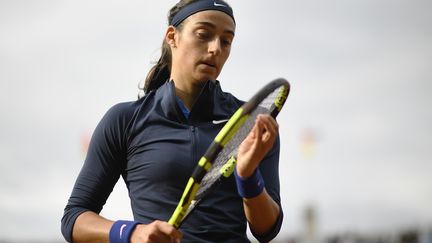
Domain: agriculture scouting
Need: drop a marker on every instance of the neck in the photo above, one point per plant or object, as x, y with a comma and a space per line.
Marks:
188, 92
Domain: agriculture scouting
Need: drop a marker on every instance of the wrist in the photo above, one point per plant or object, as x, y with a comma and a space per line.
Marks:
243, 171
121, 231
251, 186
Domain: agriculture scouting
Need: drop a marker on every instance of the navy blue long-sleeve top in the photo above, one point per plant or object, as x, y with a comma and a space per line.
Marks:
155, 148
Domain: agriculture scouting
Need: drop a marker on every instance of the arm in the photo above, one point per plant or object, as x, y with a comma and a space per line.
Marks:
103, 166
91, 227
259, 222
95, 182
251, 152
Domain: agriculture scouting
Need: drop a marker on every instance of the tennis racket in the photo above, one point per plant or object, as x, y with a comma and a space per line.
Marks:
219, 160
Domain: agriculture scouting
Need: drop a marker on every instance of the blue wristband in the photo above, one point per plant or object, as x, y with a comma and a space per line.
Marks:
251, 186
121, 231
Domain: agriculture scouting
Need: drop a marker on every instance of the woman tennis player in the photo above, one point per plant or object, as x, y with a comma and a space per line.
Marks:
155, 142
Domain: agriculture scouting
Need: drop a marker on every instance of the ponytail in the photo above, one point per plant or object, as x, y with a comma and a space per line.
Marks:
160, 72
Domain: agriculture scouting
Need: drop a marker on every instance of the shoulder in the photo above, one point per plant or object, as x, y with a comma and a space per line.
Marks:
233, 99
120, 115
227, 99
127, 109
120, 111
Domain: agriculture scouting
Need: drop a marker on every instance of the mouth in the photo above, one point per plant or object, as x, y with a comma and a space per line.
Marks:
209, 64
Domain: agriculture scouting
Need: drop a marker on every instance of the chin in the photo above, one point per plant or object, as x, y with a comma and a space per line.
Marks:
205, 78
206, 74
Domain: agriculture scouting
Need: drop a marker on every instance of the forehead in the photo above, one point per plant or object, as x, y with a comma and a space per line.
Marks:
217, 19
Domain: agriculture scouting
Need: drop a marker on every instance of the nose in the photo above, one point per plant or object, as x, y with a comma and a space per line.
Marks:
215, 47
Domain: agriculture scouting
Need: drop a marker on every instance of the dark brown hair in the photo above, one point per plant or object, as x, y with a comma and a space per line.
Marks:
160, 72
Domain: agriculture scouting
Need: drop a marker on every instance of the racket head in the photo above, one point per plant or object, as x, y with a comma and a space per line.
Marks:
269, 100
219, 160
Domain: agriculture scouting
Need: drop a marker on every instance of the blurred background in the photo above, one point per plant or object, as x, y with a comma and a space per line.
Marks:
355, 132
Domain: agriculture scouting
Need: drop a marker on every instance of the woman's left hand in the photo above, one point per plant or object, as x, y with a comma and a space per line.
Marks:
256, 145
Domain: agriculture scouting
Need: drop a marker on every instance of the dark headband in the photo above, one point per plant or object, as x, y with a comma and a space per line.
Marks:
199, 6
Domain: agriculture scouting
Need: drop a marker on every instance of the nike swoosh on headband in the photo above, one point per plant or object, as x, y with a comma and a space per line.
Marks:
219, 4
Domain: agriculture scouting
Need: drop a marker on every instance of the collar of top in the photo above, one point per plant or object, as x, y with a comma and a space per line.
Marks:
212, 103
198, 6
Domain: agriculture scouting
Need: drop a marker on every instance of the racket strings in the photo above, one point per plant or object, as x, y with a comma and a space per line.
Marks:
231, 148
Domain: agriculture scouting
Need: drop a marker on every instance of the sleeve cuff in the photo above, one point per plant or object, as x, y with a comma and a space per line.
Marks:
273, 232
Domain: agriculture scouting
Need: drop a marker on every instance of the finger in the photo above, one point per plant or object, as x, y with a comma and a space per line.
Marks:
270, 124
259, 130
169, 230
269, 129
254, 131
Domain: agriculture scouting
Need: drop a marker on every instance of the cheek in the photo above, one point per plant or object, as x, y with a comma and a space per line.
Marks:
186, 55
190, 57
191, 51
225, 56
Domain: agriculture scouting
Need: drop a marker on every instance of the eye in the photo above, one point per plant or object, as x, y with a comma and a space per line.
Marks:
202, 34
226, 42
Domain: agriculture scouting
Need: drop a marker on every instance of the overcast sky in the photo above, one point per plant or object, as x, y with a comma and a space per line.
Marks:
356, 130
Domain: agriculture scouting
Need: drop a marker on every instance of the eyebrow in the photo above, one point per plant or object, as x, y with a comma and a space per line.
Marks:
211, 25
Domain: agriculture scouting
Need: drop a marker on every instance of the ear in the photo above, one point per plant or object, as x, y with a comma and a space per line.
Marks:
170, 36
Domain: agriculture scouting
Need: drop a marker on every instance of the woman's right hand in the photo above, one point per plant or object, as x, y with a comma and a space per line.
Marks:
157, 231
